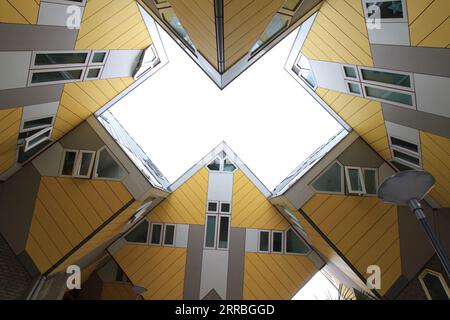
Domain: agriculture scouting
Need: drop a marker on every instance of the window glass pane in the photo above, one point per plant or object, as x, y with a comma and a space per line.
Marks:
278, 23
387, 77
291, 4
228, 166
406, 157
294, 244
139, 234
156, 234
354, 88
435, 288
400, 166
387, 9
44, 59
354, 180
308, 77
404, 144
212, 206
93, 73
169, 235
225, 207
210, 231
223, 232
389, 95
86, 160
52, 76
39, 139
69, 163
303, 63
370, 181
264, 241
214, 165
99, 57
277, 242
171, 18
107, 167
350, 72
330, 180
37, 123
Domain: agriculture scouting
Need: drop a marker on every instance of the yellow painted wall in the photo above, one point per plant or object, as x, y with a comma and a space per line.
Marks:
244, 22
117, 291
198, 19
363, 115
275, 276
9, 131
159, 269
251, 209
112, 25
436, 160
19, 11
429, 23
66, 212
364, 229
80, 100
187, 205
339, 34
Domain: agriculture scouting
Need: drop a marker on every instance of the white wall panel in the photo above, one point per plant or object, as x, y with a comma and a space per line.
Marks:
390, 33
14, 66
329, 75
432, 94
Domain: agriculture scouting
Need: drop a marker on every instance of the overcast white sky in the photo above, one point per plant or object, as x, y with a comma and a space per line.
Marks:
179, 115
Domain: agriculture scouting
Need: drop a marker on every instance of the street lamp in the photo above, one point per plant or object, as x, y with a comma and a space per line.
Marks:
407, 188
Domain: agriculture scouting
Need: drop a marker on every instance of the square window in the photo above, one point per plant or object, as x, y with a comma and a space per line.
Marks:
225, 207
354, 88
98, 57
350, 72
93, 73
212, 206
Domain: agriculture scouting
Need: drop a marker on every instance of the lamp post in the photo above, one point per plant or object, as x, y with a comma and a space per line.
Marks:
407, 188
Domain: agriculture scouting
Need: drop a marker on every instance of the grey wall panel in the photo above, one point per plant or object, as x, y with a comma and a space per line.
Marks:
17, 198
48, 163
417, 119
16, 37
30, 96
236, 259
359, 154
194, 256
413, 59
82, 137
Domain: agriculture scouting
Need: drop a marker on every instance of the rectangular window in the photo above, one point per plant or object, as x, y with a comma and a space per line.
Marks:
394, 79
98, 57
60, 59
400, 166
404, 144
93, 73
156, 235
84, 164
169, 235
277, 241
224, 228
406, 157
210, 233
371, 180
40, 77
291, 5
264, 241
396, 97
68, 164
37, 138
350, 72
355, 182
38, 123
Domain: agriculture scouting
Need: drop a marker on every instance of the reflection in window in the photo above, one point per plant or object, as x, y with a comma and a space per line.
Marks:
354, 180
294, 244
303, 69
277, 242
210, 239
107, 167
228, 166
223, 232
389, 78
171, 18
156, 234
370, 180
264, 237
386, 9
138, 234
330, 180
278, 23
214, 165
169, 235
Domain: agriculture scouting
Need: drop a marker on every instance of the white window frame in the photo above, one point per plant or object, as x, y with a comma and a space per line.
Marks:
97, 158
134, 227
301, 238
269, 249
32, 72
405, 11
215, 231
282, 241
33, 66
151, 234
222, 165
412, 94
79, 158
299, 74
96, 64
220, 208
347, 82
376, 180
322, 172
27, 146
409, 153
411, 88
207, 207
22, 129
357, 79
68, 2
402, 149
164, 234
361, 179
218, 231
439, 276
61, 166
86, 74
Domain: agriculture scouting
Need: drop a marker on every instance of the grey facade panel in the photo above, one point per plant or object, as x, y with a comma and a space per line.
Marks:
30, 96
236, 259
18, 37
82, 137
17, 199
432, 61
194, 257
417, 119
359, 154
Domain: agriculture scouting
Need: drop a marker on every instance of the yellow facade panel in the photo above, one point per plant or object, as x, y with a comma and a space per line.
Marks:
9, 131
19, 11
